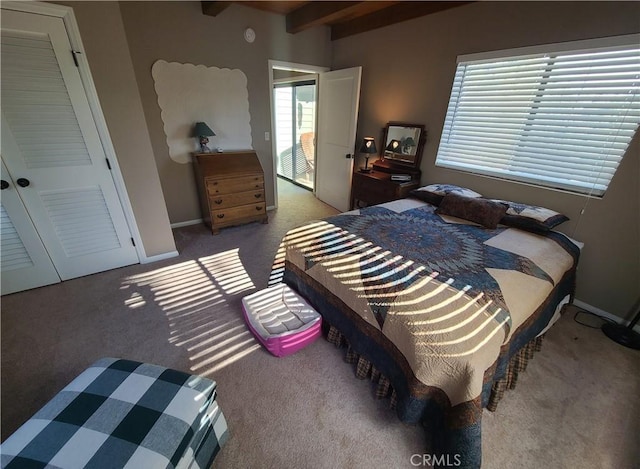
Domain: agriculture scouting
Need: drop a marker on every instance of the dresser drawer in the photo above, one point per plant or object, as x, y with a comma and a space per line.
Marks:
233, 200
231, 215
239, 184
375, 189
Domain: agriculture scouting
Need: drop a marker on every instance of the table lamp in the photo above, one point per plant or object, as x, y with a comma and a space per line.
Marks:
393, 146
203, 131
368, 148
407, 144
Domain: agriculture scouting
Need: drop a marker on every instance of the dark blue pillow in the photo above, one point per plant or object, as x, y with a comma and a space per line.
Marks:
531, 217
434, 193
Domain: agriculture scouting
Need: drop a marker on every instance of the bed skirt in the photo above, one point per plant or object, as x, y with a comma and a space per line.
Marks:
365, 369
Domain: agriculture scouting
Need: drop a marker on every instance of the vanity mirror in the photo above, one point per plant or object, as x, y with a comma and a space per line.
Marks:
402, 144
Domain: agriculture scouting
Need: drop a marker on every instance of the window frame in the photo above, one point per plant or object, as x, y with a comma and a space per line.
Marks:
444, 157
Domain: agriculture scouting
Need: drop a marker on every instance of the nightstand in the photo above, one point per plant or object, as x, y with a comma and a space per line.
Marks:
377, 187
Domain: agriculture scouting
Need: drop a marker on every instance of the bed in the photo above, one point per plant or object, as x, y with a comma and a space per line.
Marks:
440, 311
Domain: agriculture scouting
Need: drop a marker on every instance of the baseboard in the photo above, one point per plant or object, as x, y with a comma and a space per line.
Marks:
159, 257
271, 207
605, 314
180, 224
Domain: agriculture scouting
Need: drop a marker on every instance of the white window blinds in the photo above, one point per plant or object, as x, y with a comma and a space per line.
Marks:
559, 119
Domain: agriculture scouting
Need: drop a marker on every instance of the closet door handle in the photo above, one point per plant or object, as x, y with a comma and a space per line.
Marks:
22, 182
4, 185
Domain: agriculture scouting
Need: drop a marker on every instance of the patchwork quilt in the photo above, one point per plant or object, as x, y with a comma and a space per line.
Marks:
124, 414
445, 299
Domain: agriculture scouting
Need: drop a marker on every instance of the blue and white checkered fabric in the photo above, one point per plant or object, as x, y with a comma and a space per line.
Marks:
122, 414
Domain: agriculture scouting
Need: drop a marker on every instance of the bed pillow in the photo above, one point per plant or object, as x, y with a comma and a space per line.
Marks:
483, 211
434, 193
531, 217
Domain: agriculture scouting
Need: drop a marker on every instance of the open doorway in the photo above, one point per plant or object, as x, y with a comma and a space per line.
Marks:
293, 127
294, 98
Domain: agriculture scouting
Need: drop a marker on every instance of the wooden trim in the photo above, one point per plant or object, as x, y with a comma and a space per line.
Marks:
40, 8
397, 13
317, 13
211, 8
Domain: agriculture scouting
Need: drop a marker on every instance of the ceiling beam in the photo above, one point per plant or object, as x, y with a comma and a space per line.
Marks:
214, 8
316, 13
402, 11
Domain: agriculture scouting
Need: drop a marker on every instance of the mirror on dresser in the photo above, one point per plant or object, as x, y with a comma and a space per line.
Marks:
401, 151
397, 172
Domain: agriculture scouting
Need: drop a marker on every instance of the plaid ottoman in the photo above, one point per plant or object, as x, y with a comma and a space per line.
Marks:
123, 414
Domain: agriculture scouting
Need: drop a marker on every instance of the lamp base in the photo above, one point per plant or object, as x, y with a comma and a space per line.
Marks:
622, 335
203, 145
365, 170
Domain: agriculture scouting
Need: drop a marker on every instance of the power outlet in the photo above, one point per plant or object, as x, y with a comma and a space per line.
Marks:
267, 136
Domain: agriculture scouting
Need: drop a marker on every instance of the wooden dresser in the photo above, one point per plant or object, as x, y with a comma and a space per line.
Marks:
231, 188
377, 187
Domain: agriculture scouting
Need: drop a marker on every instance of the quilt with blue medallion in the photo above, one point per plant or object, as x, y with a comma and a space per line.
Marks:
448, 294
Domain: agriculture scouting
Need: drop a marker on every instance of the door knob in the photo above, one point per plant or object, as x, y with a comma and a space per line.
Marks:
4, 184
22, 182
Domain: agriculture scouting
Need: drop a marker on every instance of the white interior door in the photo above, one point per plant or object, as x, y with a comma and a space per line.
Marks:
338, 101
51, 146
25, 262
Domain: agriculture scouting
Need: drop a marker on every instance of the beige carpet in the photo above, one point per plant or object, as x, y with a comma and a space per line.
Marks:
576, 406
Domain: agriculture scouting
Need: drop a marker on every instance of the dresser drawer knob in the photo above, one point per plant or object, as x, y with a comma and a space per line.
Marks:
258, 208
219, 201
220, 215
257, 186
257, 196
215, 183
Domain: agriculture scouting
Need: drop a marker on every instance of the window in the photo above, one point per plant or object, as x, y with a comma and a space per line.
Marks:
561, 116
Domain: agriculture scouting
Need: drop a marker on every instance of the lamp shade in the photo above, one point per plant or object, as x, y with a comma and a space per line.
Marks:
394, 146
409, 142
202, 130
368, 145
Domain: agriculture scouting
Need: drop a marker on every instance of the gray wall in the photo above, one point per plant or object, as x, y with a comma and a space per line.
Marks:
407, 76
107, 52
179, 32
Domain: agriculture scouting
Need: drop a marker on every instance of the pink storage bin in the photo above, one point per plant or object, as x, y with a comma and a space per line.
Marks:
281, 319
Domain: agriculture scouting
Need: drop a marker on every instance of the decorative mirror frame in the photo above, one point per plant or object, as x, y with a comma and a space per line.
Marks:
399, 161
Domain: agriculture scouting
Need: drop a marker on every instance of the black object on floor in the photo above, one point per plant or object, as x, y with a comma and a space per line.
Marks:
624, 335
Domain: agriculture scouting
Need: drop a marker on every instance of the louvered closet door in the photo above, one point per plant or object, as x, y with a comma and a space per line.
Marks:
25, 262
49, 138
